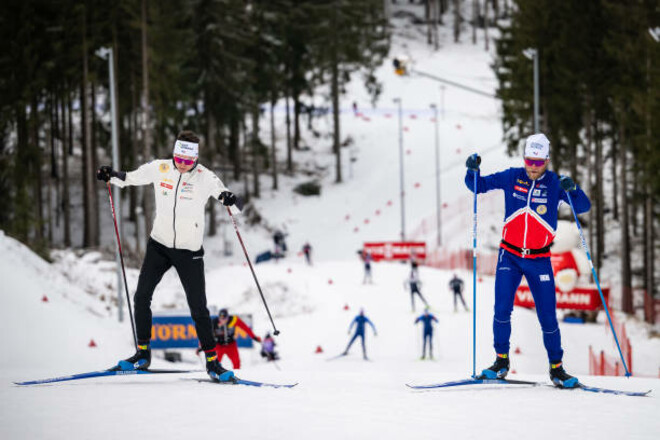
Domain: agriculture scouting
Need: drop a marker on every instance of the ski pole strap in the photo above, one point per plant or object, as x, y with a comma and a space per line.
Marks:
525, 251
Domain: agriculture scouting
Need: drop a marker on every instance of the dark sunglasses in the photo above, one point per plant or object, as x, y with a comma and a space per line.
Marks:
535, 162
178, 159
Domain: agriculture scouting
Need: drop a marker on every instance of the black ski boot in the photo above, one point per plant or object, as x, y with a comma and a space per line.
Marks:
498, 370
561, 378
139, 361
216, 372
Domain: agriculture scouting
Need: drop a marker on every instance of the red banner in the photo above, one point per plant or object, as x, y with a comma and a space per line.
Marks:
580, 298
396, 250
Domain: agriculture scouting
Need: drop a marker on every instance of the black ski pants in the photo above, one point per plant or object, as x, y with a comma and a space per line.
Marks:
190, 267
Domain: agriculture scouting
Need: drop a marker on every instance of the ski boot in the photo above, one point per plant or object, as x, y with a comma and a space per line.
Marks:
561, 378
139, 361
215, 370
498, 370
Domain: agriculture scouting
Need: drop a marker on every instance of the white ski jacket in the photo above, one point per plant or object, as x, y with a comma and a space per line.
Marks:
180, 200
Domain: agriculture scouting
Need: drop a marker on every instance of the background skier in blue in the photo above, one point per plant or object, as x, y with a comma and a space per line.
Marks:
427, 319
532, 197
360, 322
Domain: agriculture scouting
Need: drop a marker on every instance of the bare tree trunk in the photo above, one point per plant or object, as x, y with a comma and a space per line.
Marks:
234, 144
649, 279
435, 17
50, 140
335, 104
58, 138
289, 153
90, 229
296, 120
427, 17
486, 23
147, 199
588, 124
66, 139
256, 156
615, 180
273, 100
600, 224
36, 163
633, 205
475, 20
457, 20
210, 154
626, 276
93, 166
244, 147
136, 191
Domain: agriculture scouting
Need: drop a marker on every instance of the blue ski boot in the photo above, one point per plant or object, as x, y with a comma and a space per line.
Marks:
498, 370
139, 361
215, 370
561, 378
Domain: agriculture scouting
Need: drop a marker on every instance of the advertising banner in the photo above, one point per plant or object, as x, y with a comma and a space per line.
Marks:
396, 250
169, 331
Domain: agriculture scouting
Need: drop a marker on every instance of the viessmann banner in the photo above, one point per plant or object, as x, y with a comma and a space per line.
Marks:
396, 250
580, 298
178, 331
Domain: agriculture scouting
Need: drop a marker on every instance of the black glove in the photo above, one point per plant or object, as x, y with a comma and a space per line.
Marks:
567, 183
473, 162
227, 198
105, 173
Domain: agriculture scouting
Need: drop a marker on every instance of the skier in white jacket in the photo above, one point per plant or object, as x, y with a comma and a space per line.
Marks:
182, 187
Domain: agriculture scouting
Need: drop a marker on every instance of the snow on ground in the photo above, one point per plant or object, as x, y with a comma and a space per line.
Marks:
347, 397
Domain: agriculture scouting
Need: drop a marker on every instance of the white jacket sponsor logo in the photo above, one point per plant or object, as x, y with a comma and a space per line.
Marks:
180, 201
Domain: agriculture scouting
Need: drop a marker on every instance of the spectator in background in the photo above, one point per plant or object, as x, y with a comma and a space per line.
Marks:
224, 329
268, 348
307, 251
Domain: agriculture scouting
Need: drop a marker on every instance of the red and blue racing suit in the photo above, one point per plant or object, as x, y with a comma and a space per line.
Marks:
530, 224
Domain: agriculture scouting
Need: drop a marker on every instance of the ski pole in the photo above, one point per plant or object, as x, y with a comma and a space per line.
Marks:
123, 269
474, 280
600, 292
238, 234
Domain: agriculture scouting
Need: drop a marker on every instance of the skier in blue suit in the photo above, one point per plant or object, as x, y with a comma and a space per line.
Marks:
532, 196
360, 322
427, 319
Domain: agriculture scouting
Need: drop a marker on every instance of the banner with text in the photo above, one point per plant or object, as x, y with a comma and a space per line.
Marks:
178, 331
396, 250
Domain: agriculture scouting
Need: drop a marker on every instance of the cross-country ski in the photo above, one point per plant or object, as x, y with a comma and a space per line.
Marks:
477, 381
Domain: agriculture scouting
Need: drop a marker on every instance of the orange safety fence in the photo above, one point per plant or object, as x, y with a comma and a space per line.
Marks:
651, 308
461, 259
605, 365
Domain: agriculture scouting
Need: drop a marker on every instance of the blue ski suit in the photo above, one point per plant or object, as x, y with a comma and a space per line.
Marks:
530, 223
360, 322
427, 319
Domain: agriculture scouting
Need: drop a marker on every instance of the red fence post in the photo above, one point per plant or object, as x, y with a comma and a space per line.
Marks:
602, 363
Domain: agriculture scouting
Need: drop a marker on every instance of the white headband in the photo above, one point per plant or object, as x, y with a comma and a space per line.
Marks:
185, 148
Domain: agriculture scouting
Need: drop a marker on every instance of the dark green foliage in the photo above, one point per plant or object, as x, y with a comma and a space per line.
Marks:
213, 66
312, 188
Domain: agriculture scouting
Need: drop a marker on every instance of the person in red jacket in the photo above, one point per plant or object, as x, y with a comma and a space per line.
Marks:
224, 328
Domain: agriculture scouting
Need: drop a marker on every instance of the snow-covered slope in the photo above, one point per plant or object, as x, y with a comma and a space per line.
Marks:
345, 397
